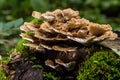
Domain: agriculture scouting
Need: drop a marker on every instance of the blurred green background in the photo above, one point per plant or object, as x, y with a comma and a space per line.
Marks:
14, 12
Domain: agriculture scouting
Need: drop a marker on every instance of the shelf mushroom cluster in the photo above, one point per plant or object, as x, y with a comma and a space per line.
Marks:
63, 31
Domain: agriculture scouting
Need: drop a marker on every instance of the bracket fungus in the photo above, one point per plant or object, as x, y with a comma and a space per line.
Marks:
65, 32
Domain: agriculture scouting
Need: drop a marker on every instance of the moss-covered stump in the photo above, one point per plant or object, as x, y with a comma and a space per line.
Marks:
100, 64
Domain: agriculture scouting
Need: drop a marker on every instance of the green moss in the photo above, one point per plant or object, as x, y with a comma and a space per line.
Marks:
36, 20
50, 76
6, 59
2, 74
37, 66
103, 65
21, 48
29, 33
